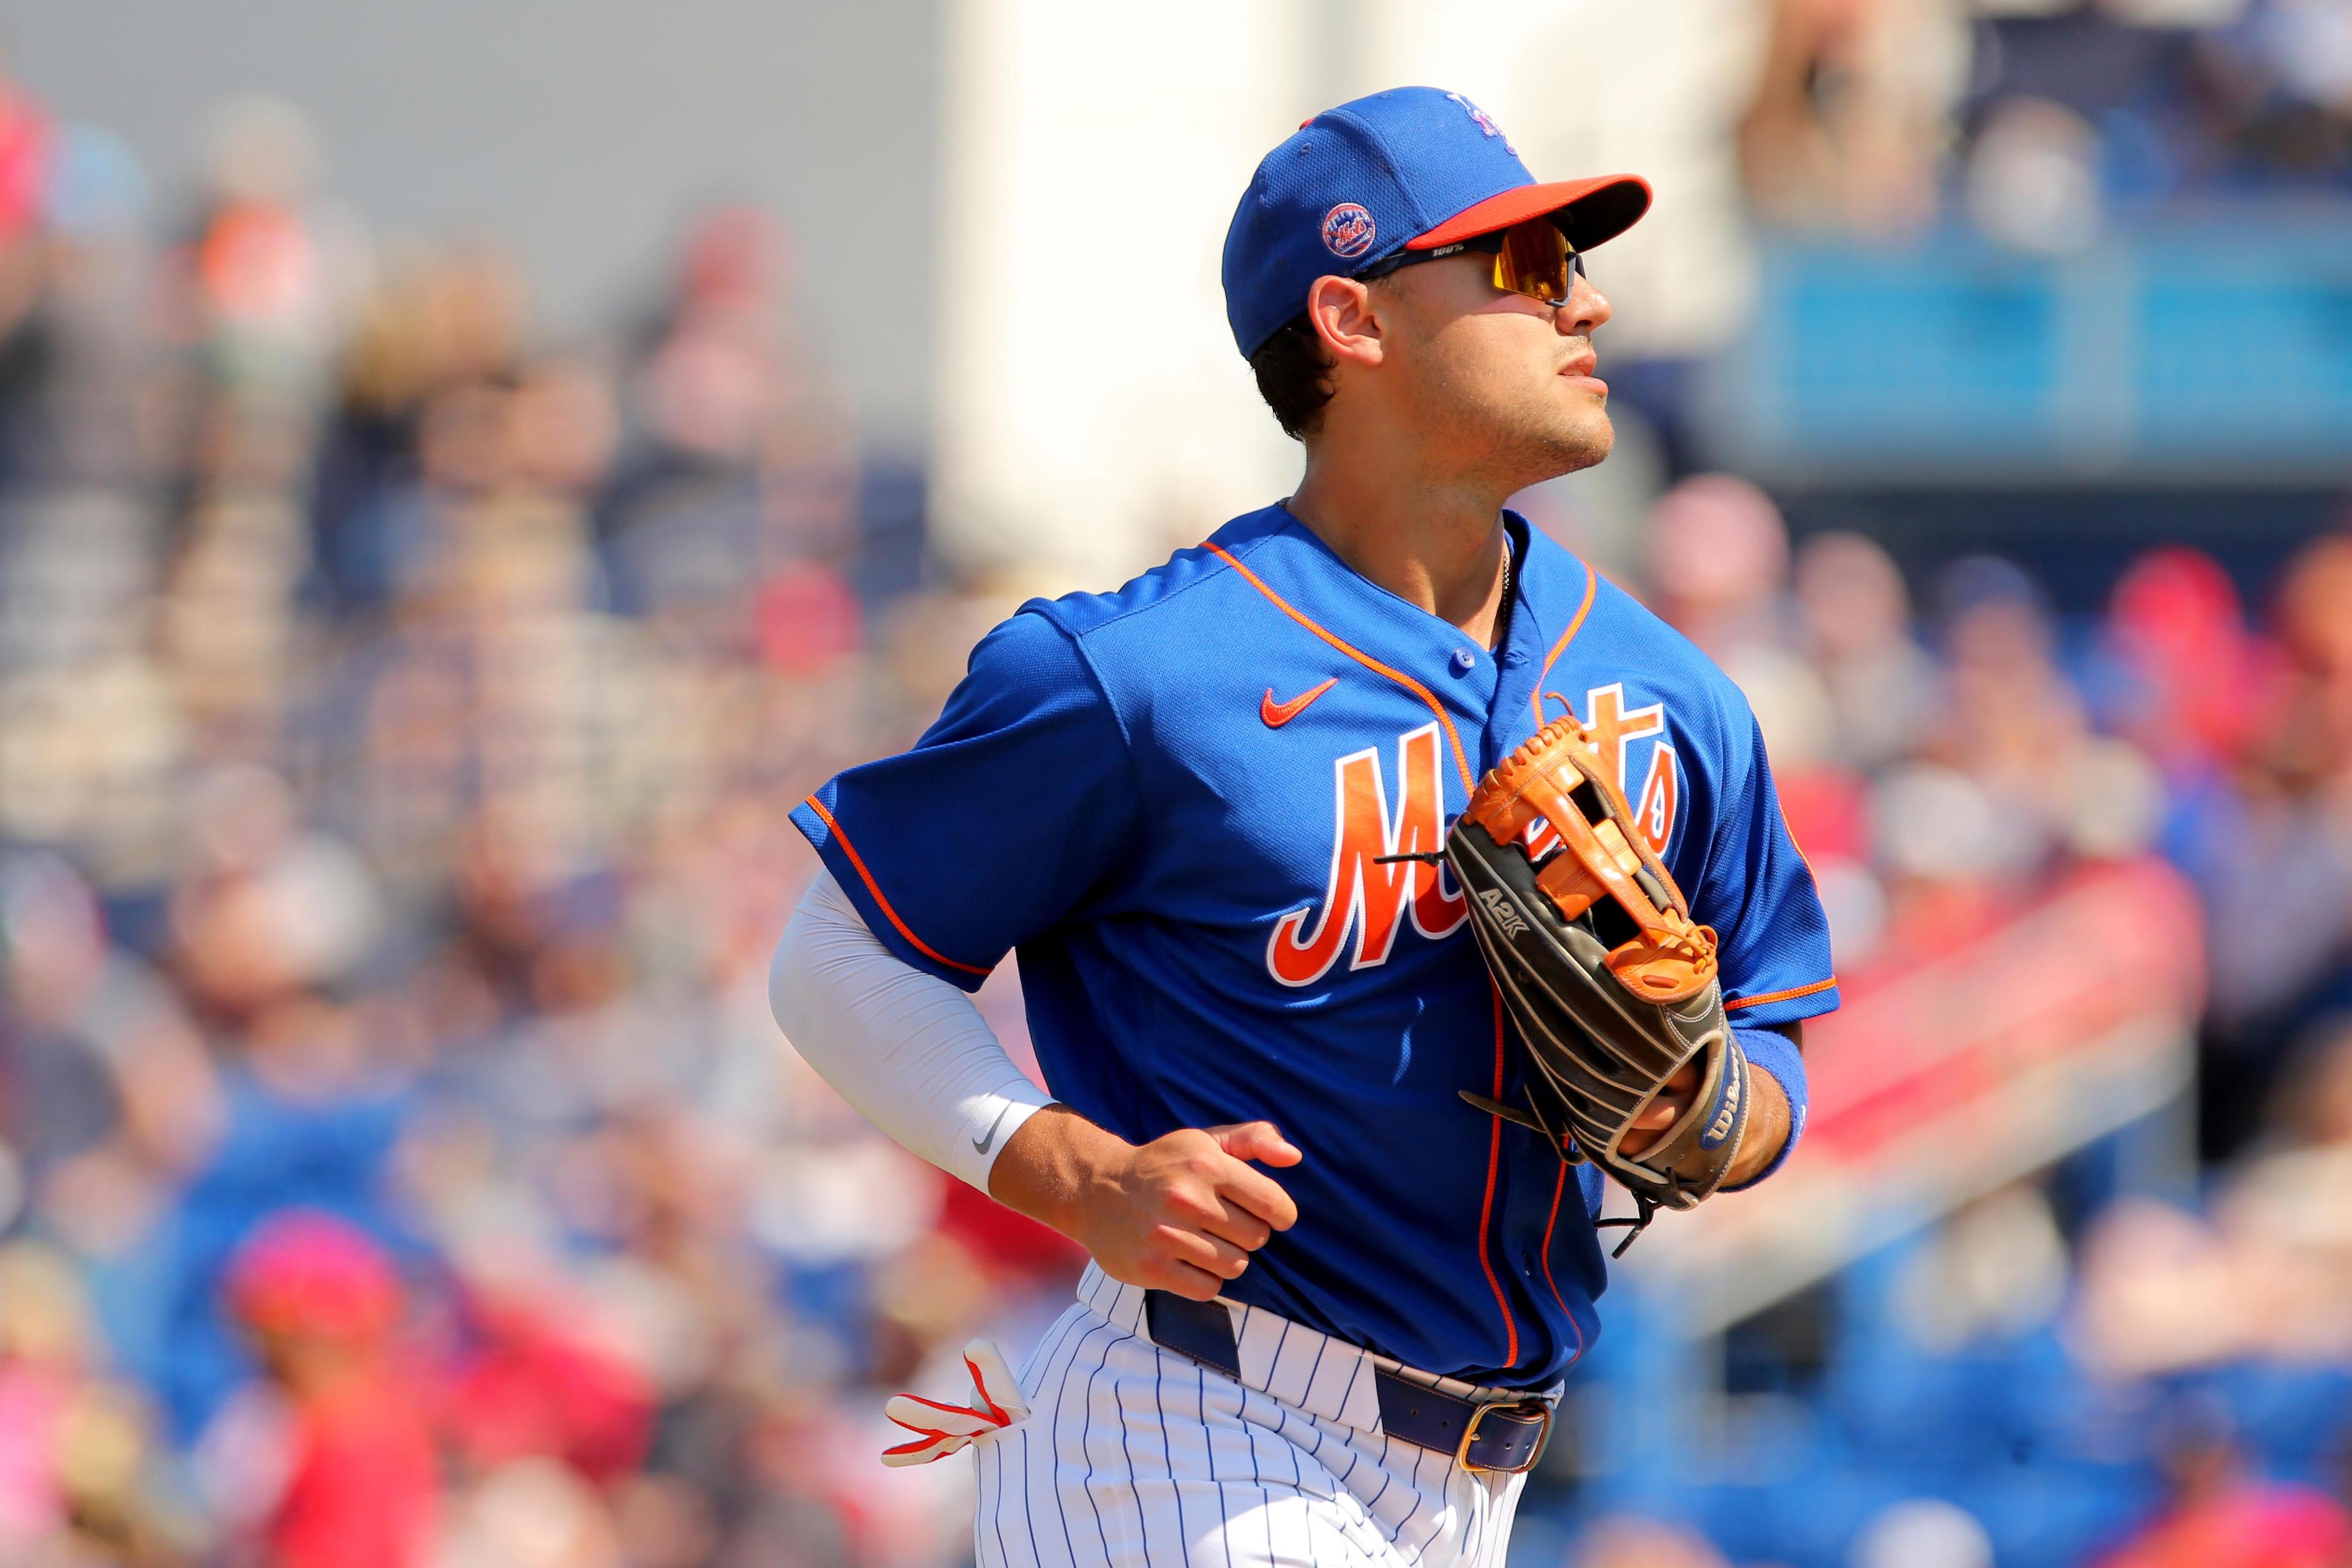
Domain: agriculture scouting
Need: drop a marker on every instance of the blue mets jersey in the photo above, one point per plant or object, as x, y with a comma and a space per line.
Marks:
1173, 801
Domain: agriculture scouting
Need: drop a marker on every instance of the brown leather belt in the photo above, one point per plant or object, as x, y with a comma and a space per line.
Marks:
1503, 1435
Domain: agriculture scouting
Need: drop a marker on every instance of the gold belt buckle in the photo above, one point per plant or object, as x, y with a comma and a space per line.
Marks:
1539, 1408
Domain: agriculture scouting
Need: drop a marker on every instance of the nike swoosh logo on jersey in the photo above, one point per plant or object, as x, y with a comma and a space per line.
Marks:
982, 1144
1277, 715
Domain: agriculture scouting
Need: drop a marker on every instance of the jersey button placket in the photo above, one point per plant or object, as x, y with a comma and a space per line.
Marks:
1510, 714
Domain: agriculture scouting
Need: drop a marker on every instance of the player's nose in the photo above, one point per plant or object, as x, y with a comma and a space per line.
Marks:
1586, 308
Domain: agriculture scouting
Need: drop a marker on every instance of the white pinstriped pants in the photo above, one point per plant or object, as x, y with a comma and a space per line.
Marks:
1136, 1456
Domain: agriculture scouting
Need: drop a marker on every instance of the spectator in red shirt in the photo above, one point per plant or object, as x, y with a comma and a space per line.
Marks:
321, 1302
2223, 1517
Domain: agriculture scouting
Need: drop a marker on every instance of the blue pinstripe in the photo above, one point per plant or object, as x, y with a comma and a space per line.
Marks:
1436, 1515
1070, 1321
998, 1517
1086, 1434
1168, 1457
1209, 1451
1142, 1526
1257, 1476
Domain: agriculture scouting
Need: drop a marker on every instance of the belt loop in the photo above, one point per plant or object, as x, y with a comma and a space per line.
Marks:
1201, 1330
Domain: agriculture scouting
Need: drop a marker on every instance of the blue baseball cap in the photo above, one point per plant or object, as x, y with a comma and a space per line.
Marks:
1410, 169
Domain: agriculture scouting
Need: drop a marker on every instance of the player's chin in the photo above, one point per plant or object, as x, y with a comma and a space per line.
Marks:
1583, 436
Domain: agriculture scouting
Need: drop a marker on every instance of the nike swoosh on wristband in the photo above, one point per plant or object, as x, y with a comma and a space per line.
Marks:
1277, 715
982, 1144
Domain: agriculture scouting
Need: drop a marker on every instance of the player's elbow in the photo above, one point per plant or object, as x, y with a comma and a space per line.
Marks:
785, 977
824, 970
795, 973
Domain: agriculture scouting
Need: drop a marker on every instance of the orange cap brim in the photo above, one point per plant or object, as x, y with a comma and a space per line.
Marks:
1587, 211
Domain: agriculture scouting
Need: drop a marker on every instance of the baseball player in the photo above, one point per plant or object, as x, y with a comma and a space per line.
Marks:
1337, 1169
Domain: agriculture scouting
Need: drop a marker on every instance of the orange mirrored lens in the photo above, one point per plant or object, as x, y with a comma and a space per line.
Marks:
1534, 262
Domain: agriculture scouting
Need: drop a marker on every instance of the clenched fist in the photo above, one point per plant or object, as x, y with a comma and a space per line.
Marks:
1181, 1213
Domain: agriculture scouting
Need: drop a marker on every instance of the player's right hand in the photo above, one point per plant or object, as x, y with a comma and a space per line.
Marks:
1188, 1209
1181, 1213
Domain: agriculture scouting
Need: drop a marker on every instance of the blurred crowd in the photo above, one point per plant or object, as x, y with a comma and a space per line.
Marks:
398, 710
2038, 117
1942, 763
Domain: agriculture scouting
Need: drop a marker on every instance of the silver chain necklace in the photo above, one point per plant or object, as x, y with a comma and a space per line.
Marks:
1503, 608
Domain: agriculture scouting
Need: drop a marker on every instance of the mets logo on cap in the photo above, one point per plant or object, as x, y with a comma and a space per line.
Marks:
1347, 230
1486, 122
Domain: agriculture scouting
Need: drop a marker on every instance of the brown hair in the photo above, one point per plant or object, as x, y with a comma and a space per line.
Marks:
1293, 374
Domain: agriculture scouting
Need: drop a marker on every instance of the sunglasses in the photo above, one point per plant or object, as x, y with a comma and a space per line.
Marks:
1533, 259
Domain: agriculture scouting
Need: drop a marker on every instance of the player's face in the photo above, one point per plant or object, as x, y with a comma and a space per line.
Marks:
1505, 387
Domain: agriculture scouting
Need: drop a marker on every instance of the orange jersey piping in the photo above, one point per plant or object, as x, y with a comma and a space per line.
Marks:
1487, 1209
926, 949
1461, 758
1575, 625
1551, 1221
1817, 985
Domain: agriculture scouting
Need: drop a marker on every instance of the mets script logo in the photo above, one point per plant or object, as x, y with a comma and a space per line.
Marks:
1614, 727
1347, 230
1362, 897
1372, 903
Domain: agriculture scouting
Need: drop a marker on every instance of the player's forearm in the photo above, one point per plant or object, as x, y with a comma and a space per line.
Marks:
907, 1050
1768, 1129
1053, 1167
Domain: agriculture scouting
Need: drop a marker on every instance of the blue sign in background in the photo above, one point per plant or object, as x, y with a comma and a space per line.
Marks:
2194, 347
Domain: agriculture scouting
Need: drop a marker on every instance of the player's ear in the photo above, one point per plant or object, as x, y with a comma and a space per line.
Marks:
1346, 317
